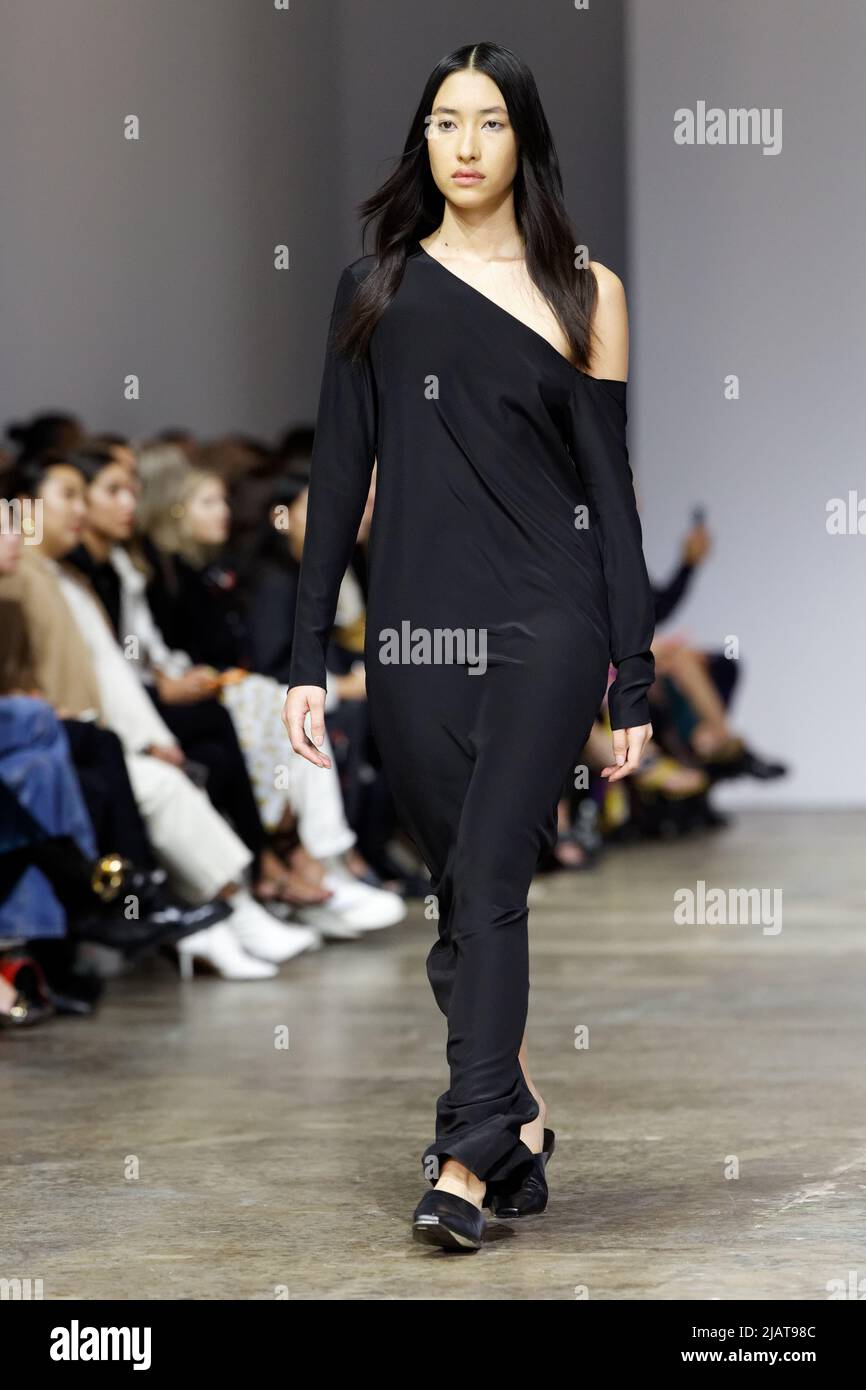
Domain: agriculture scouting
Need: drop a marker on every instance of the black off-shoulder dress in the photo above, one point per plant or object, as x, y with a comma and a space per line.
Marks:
506, 570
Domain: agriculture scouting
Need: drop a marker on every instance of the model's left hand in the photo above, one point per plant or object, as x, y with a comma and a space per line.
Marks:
628, 749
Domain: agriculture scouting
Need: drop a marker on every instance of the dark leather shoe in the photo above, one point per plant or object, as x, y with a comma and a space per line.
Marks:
528, 1195
444, 1219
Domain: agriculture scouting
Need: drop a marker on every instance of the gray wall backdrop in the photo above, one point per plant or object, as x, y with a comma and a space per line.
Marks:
261, 127
258, 128
753, 264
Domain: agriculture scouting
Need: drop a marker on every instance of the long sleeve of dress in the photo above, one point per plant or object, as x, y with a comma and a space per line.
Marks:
598, 415
344, 450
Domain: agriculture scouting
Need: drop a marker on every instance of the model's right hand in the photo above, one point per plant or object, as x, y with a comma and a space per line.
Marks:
299, 699
629, 746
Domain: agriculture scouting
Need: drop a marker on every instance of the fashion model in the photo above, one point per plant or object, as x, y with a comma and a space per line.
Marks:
480, 361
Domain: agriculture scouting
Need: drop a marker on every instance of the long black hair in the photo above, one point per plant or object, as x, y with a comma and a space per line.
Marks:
408, 206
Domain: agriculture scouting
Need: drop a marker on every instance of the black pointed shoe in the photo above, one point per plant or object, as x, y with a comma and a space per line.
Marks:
529, 1195
451, 1222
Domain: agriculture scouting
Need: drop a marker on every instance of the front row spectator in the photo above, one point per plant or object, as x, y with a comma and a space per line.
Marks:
79, 666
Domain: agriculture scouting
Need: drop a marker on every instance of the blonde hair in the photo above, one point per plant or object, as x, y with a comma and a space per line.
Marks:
168, 481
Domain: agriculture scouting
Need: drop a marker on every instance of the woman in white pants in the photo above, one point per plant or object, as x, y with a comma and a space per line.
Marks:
184, 511
81, 669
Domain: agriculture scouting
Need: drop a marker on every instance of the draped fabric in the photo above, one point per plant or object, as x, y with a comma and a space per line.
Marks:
505, 573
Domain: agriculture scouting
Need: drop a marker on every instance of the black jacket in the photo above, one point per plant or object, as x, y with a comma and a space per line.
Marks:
198, 611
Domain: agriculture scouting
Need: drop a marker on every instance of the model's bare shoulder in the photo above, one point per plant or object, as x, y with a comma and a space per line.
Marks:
609, 283
610, 324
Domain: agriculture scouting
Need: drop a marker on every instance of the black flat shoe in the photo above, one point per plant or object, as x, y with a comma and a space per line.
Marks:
528, 1197
444, 1219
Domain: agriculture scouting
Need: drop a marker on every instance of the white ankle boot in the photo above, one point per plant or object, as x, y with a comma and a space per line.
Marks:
218, 948
361, 906
262, 936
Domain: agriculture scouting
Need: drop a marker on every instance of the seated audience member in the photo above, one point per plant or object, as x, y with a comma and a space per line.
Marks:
54, 430
96, 757
249, 469
269, 580
694, 688
201, 724
78, 663
193, 599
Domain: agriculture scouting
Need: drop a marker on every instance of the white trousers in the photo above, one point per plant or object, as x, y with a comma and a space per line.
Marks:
198, 850
280, 777
315, 796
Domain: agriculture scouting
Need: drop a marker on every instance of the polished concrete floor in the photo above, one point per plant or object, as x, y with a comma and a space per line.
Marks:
711, 1138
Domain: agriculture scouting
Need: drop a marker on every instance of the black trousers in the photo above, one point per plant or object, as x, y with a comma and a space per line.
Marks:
479, 796
101, 767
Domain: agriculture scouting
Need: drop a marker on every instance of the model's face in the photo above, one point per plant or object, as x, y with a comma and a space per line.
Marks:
207, 517
111, 503
469, 133
11, 543
64, 508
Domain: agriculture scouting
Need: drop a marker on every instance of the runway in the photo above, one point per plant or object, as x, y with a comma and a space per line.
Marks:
710, 1138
